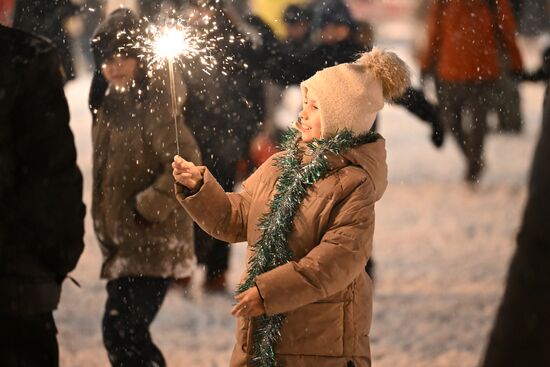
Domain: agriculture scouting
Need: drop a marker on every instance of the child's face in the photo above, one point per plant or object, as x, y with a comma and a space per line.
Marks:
120, 71
334, 33
309, 123
296, 31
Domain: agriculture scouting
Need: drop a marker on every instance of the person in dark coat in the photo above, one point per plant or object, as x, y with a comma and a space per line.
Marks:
47, 18
466, 73
331, 42
521, 334
146, 239
42, 221
297, 22
224, 110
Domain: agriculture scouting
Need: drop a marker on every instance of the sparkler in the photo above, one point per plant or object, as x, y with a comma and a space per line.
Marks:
170, 44
175, 44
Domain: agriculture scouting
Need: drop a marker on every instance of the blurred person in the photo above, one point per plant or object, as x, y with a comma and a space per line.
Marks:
297, 24
333, 32
331, 42
145, 237
6, 12
308, 217
462, 52
225, 110
48, 18
42, 221
521, 332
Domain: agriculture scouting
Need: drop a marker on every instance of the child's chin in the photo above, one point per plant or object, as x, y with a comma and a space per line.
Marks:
307, 137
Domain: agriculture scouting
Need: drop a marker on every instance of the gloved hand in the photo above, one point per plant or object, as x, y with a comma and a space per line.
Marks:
438, 133
518, 75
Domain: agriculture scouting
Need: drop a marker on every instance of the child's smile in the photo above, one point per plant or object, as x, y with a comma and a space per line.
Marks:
309, 119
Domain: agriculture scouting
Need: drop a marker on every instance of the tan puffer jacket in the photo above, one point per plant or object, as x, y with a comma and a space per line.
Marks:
325, 293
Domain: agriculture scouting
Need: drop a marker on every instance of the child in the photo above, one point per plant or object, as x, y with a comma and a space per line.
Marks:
308, 216
145, 237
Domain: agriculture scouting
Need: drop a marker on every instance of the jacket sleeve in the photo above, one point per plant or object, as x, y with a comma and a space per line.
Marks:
507, 27
220, 214
50, 209
330, 266
156, 202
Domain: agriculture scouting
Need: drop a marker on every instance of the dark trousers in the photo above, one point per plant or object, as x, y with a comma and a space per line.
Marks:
472, 100
132, 305
28, 340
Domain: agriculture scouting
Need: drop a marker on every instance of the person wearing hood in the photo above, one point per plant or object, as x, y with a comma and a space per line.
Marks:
308, 216
146, 238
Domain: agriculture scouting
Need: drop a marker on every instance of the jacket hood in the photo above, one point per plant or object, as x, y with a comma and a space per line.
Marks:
116, 35
371, 157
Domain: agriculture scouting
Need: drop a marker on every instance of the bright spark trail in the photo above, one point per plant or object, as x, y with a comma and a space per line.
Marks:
176, 44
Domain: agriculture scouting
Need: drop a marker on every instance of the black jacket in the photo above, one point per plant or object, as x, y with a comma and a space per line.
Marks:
297, 66
225, 107
41, 209
521, 334
47, 18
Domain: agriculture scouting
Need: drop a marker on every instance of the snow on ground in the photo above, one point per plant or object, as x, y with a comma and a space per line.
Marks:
441, 250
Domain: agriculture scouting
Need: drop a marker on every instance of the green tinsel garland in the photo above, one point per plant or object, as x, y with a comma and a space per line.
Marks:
272, 249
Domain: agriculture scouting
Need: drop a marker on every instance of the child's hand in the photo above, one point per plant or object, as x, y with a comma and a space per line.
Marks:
186, 173
250, 304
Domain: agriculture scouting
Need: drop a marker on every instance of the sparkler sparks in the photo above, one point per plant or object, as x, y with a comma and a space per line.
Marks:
171, 43
178, 43
175, 42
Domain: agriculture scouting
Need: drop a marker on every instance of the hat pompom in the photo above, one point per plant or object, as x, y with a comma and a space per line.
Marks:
389, 69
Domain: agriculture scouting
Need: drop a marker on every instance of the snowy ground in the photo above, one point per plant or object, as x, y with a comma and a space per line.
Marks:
442, 252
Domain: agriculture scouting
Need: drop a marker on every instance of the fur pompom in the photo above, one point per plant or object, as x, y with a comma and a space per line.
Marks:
389, 69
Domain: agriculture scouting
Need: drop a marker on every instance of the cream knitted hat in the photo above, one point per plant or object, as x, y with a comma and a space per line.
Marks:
349, 95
